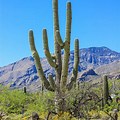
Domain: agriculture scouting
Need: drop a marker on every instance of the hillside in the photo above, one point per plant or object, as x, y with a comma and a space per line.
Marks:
112, 70
23, 72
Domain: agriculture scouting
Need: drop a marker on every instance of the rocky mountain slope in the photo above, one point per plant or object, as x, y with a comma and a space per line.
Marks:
112, 70
93, 61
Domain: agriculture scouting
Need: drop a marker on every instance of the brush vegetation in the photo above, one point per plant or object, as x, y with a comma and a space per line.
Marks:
82, 103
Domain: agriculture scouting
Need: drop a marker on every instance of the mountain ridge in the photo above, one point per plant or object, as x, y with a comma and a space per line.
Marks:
23, 72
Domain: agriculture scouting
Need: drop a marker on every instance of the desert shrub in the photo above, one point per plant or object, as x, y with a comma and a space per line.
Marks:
63, 116
41, 103
13, 101
111, 106
81, 103
16, 101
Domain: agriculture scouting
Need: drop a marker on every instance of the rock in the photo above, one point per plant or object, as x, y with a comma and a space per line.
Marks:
2, 115
117, 77
88, 72
35, 116
114, 115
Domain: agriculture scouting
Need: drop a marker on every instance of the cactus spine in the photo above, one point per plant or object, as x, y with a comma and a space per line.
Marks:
60, 84
105, 90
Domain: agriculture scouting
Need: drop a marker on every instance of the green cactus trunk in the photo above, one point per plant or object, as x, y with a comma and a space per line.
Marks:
60, 84
105, 90
25, 90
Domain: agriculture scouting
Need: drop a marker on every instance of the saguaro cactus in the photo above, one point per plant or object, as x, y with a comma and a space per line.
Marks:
60, 84
105, 90
25, 90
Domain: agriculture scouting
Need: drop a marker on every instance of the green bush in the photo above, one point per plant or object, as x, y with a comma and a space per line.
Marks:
16, 101
16, 104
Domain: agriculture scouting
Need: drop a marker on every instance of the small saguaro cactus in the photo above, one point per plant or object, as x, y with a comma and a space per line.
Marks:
61, 83
105, 90
24, 89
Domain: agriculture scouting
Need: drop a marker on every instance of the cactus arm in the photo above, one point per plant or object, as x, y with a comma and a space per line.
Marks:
59, 39
46, 49
66, 47
57, 46
70, 85
37, 61
55, 16
52, 82
76, 59
68, 23
75, 66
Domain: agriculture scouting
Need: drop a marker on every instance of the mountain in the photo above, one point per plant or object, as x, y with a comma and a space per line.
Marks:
92, 61
112, 70
98, 56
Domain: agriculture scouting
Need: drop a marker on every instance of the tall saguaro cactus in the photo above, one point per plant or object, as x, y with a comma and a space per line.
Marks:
60, 84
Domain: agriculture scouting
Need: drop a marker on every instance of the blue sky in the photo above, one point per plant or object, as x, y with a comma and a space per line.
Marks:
95, 23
